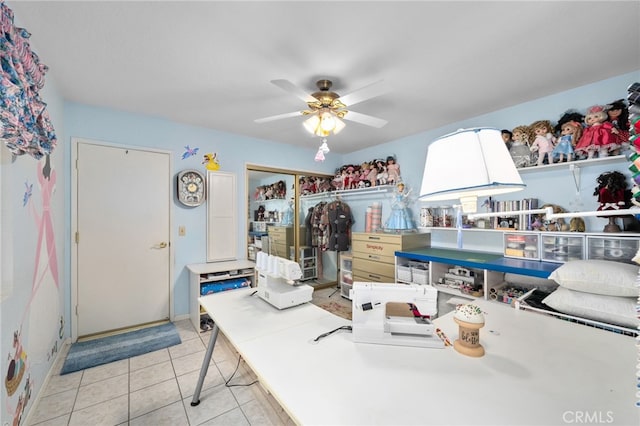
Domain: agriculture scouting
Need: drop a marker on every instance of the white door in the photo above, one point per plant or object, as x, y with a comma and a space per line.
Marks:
123, 204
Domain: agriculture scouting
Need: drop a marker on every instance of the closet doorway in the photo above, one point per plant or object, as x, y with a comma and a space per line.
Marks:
279, 222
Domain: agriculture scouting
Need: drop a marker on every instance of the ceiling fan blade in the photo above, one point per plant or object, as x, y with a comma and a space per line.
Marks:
288, 86
364, 93
278, 117
365, 119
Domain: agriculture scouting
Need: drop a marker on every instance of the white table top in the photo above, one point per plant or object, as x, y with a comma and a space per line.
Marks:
537, 370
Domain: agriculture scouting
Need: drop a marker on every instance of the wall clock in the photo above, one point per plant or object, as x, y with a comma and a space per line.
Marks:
191, 191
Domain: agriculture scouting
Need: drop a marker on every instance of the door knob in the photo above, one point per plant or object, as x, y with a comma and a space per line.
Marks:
161, 245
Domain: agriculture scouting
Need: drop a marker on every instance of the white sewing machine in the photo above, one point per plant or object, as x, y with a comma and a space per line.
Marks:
277, 281
405, 324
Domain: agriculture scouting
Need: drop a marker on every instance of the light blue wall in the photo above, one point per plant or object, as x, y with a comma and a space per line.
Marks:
234, 152
549, 186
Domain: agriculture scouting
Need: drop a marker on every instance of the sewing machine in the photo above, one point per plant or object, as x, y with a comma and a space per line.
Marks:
406, 322
278, 281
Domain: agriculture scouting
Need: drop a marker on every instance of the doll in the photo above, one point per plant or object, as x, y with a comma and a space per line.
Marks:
598, 135
570, 132
393, 170
520, 152
544, 141
382, 172
364, 175
269, 193
336, 182
569, 115
619, 117
400, 218
507, 137
553, 225
373, 173
280, 190
347, 181
611, 196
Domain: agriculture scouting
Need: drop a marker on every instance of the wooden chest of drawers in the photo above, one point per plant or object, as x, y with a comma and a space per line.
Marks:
374, 254
280, 239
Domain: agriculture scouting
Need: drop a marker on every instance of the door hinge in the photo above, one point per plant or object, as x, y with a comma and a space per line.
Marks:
77, 237
76, 310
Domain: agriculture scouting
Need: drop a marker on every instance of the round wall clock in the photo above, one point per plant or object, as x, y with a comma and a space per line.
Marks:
191, 188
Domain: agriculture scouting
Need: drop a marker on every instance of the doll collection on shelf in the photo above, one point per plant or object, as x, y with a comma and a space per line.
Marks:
602, 131
355, 176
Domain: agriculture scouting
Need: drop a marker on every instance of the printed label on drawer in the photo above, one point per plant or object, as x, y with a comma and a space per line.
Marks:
373, 248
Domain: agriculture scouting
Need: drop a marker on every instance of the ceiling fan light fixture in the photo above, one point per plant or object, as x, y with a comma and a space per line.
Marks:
322, 123
327, 121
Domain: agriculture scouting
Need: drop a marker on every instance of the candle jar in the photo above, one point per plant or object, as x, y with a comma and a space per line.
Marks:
426, 217
445, 217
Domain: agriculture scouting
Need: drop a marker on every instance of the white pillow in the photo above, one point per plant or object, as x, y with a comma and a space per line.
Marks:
609, 309
527, 281
598, 277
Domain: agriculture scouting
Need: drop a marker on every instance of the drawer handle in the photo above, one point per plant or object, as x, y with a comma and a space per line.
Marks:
374, 276
374, 238
373, 257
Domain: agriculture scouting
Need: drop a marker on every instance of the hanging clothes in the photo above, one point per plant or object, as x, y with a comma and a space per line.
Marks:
319, 227
308, 223
339, 219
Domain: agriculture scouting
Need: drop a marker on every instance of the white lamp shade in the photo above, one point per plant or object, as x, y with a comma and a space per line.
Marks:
467, 164
327, 122
339, 126
312, 123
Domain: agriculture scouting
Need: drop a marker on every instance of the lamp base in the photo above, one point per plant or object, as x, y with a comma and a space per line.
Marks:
612, 226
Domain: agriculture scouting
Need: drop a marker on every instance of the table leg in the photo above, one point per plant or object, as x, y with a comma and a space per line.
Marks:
205, 365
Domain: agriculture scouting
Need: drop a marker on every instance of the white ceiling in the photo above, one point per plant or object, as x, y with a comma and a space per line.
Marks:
210, 63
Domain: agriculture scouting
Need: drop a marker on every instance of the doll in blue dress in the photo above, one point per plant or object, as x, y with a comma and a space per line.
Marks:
569, 133
400, 218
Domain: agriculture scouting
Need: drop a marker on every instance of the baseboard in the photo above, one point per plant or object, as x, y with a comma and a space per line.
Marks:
57, 363
181, 317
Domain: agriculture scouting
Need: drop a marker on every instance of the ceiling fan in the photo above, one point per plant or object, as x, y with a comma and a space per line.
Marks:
326, 108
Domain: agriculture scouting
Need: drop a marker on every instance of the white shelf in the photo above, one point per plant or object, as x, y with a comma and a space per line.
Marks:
455, 292
224, 277
442, 228
604, 234
372, 190
574, 164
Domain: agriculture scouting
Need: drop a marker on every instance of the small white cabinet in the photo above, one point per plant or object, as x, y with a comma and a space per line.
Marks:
227, 275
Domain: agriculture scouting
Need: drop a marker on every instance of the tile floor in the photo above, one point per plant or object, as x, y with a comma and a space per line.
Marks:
157, 389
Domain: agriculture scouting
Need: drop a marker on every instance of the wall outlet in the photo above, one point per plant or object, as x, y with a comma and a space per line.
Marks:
182, 231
